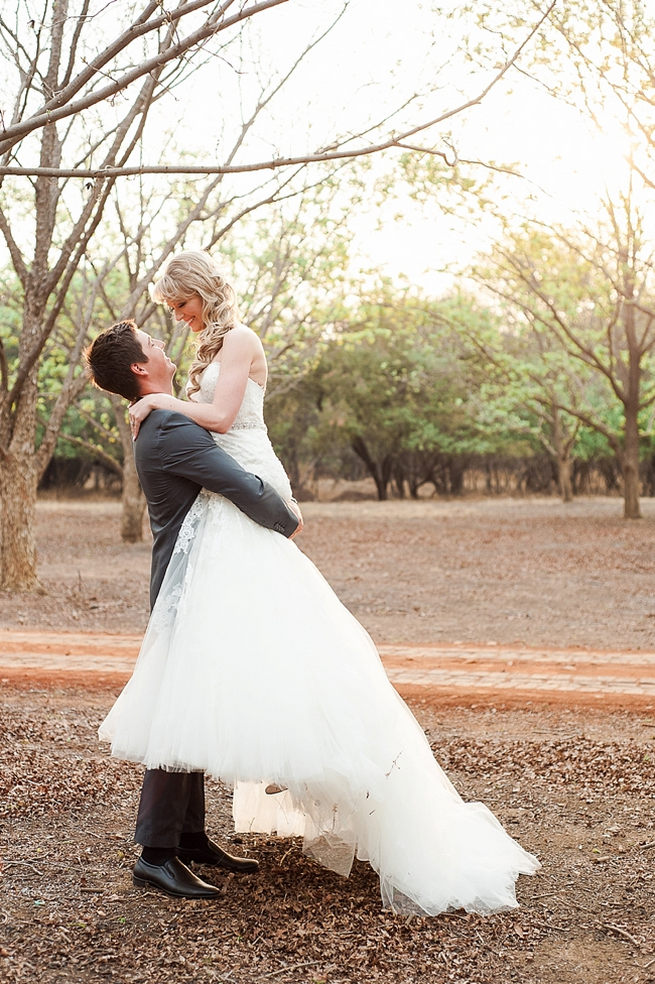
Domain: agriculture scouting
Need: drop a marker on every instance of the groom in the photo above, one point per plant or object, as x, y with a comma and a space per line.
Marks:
175, 458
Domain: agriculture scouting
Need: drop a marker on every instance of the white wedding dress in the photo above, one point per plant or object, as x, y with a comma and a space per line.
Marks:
252, 670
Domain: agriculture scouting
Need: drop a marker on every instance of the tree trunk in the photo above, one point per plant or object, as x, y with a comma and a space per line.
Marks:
456, 469
19, 474
399, 480
381, 485
133, 504
564, 476
379, 471
630, 457
18, 485
560, 449
630, 466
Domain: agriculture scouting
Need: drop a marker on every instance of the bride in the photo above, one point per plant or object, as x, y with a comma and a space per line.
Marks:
291, 704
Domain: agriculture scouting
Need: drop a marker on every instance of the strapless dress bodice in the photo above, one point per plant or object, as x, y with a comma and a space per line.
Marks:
247, 439
250, 415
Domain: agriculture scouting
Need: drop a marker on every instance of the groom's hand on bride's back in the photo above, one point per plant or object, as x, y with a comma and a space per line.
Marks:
295, 509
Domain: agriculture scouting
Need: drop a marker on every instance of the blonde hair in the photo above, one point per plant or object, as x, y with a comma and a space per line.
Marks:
195, 272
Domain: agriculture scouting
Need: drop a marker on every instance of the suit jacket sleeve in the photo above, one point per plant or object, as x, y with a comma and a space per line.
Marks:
189, 451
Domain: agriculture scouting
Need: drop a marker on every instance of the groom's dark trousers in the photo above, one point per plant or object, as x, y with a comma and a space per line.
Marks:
175, 458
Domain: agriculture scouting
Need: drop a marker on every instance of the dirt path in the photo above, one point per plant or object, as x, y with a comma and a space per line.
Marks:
436, 675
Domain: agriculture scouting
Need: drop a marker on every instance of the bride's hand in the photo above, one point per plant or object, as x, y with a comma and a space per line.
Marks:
140, 410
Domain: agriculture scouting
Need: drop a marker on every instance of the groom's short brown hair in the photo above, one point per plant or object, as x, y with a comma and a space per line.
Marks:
110, 357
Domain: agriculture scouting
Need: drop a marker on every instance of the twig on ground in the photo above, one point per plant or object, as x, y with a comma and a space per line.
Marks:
621, 932
577, 905
284, 970
546, 925
285, 856
25, 864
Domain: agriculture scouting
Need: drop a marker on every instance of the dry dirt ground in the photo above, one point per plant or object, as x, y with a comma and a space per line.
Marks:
574, 782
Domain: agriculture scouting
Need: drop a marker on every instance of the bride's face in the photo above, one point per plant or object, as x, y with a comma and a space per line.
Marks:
189, 311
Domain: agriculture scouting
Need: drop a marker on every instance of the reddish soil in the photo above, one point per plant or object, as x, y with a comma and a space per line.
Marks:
437, 675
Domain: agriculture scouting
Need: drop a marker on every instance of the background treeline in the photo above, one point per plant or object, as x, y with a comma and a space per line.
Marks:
530, 367
423, 396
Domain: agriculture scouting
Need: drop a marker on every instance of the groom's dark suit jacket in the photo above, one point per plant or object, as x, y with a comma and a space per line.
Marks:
175, 458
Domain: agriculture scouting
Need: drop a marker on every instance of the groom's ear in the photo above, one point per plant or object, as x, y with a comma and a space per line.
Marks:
139, 368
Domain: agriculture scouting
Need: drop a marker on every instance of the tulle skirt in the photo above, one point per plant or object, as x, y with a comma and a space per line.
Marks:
252, 670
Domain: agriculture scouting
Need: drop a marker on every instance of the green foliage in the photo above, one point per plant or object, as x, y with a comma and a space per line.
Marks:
571, 333
400, 386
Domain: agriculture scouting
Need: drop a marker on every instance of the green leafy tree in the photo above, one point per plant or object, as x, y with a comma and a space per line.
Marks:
291, 265
402, 388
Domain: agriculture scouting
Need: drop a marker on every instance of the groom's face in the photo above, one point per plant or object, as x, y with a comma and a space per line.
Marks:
156, 374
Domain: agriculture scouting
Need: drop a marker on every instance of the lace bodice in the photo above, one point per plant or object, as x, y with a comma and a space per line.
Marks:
247, 439
250, 415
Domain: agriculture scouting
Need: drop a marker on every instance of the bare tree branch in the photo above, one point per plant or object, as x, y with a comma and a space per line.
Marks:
95, 449
337, 154
60, 106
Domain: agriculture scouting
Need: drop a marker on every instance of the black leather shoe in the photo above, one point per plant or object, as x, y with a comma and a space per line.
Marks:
216, 857
173, 878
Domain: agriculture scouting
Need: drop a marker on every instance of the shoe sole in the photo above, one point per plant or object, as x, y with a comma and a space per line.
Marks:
144, 883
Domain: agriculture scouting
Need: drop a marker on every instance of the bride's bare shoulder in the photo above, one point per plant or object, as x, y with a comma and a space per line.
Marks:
240, 332
242, 336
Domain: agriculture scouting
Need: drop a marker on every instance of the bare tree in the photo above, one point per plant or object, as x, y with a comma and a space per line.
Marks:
56, 79
592, 294
290, 263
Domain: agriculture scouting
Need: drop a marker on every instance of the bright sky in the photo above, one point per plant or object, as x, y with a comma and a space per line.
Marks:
567, 165
370, 63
